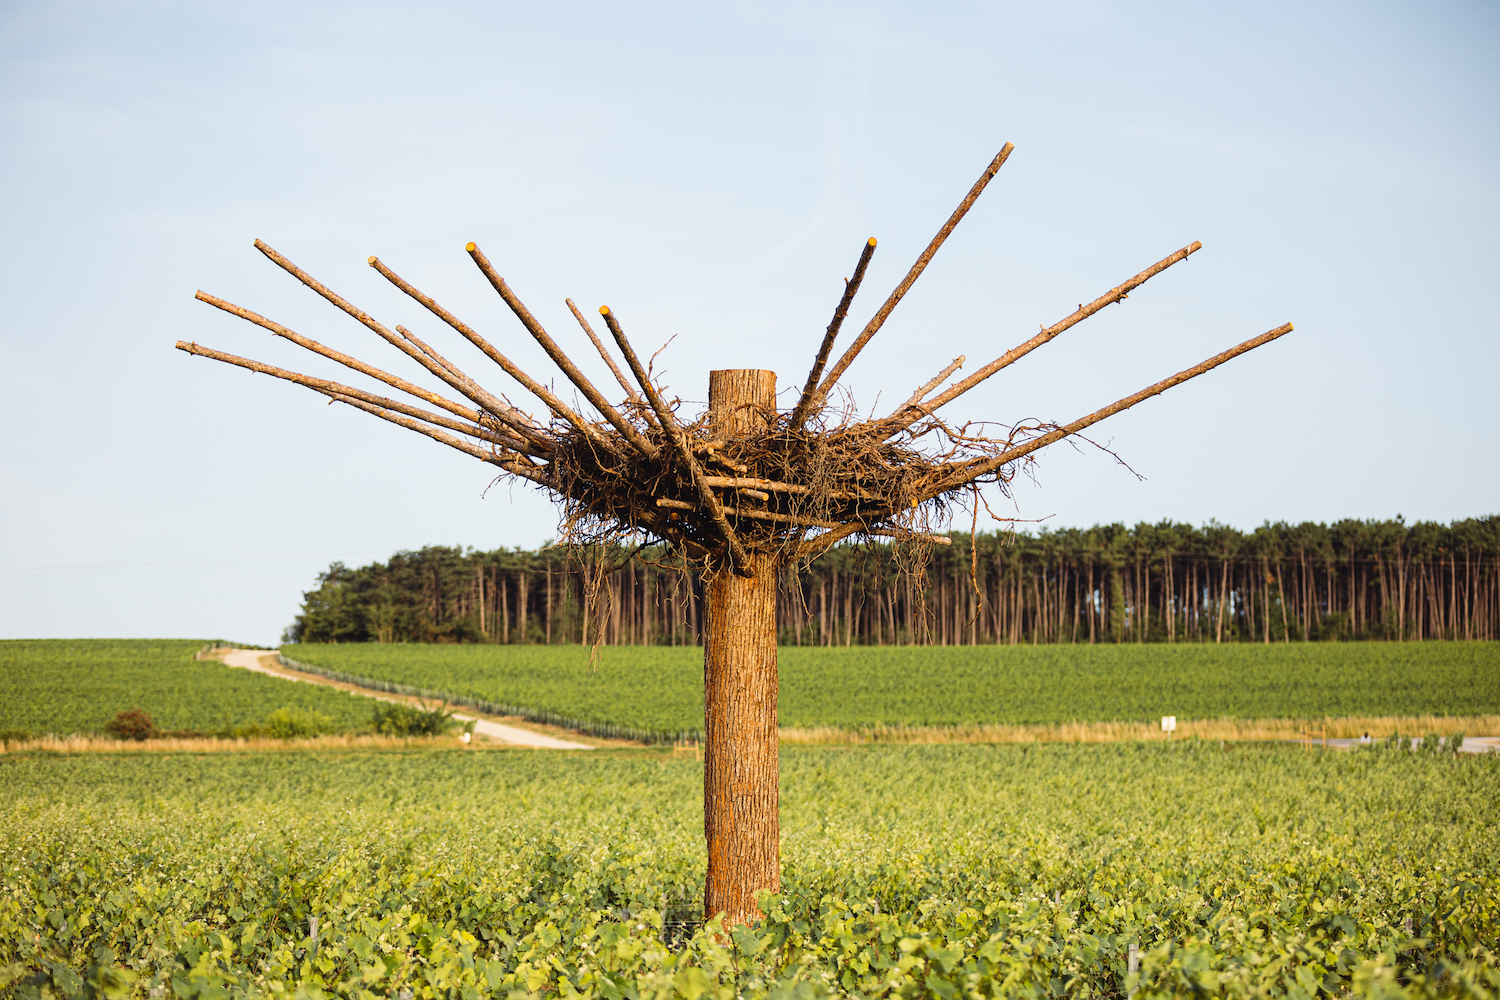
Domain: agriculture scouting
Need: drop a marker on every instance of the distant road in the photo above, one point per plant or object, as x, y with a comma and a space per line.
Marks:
1472, 744
252, 659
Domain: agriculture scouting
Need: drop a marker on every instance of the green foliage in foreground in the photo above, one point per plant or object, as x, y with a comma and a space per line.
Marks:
64, 686
661, 688
939, 871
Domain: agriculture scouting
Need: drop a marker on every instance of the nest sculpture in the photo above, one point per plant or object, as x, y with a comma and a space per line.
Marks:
744, 488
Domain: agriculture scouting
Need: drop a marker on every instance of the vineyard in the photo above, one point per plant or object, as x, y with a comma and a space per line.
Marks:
659, 689
931, 871
655, 693
63, 686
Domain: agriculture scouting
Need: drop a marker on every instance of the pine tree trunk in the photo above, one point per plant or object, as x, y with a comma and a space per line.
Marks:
741, 819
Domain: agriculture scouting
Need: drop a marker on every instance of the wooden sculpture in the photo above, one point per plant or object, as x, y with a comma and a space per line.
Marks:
744, 488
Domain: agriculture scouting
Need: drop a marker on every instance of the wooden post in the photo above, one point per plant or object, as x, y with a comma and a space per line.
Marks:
741, 820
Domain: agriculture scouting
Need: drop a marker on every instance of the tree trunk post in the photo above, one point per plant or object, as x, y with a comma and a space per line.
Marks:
741, 819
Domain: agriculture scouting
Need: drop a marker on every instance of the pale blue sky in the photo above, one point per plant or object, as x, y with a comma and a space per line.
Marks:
710, 171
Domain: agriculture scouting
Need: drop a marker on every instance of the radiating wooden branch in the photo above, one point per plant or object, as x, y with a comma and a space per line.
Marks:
738, 556
1083, 312
458, 375
510, 453
532, 386
968, 471
878, 320
408, 345
806, 522
559, 358
504, 412
804, 403
928, 386
501, 410
431, 353
475, 419
630, 392
394, 381
424, 356
507, 462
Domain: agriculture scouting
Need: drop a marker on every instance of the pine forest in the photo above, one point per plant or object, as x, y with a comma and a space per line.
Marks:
1167, 582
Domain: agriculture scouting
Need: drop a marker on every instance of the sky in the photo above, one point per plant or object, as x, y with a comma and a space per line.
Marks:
711, 172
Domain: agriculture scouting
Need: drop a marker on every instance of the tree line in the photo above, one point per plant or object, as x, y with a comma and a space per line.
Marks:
1165, 582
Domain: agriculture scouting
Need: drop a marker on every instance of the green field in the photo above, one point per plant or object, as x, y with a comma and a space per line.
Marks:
661, 688
63, 686
940, 871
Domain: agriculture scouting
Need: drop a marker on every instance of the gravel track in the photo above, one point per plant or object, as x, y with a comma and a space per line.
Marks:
251, 659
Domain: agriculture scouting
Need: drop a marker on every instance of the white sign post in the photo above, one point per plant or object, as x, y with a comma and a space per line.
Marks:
1169, 725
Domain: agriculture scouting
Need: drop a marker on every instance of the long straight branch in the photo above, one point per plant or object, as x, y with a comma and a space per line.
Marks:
804, 403
508, 463
967, 472
426, 356
531, 385
627, 430
922, 391
971, 471
510, 417
630, 392
426, 349
878, 320
474, 428
394, 381
1010, 357
738, 556
511, 452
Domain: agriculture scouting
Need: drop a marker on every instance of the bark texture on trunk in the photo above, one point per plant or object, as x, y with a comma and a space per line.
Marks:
741, 818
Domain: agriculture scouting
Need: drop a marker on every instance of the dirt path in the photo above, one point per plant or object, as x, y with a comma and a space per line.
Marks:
263, 662
251, 659
1471, 744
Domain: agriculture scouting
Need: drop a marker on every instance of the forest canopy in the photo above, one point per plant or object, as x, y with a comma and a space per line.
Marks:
1166, 582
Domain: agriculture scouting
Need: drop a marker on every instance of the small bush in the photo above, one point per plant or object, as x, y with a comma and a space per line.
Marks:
1456, 742
291, 723
132, 724
405, 720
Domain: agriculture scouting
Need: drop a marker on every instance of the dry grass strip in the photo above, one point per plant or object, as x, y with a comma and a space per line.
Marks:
208, 744
1065, 732
1106, 732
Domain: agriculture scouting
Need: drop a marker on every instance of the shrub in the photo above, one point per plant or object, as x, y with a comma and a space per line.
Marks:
393, 719
288, 723
132, 724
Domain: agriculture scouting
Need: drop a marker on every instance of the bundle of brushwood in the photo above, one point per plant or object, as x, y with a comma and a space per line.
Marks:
743, 488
